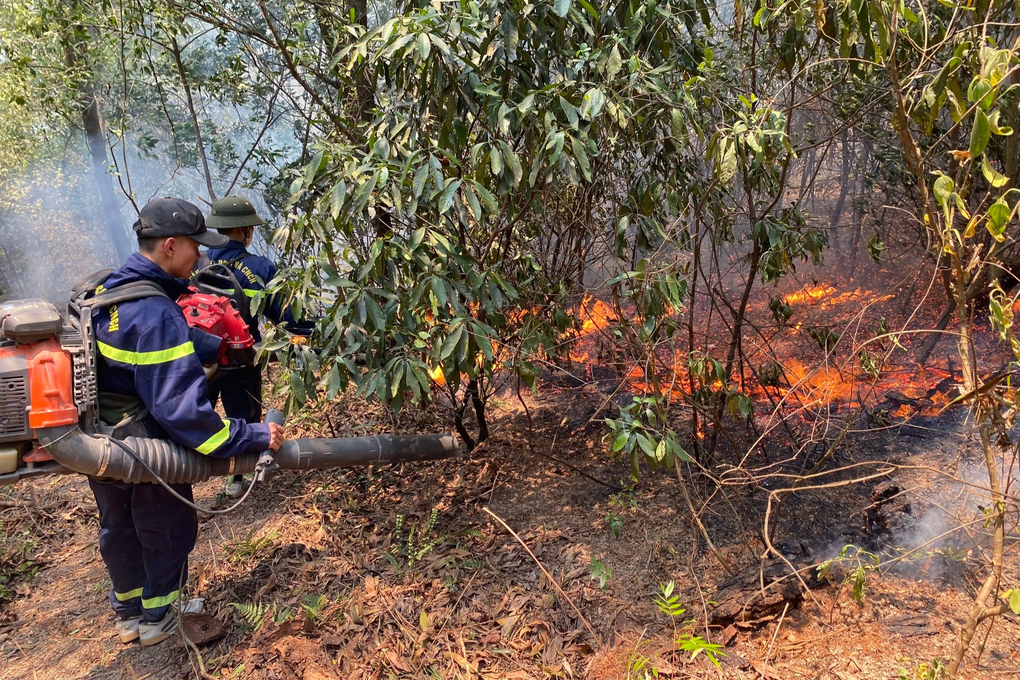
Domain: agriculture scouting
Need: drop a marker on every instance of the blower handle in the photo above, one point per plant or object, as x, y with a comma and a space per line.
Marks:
266, 468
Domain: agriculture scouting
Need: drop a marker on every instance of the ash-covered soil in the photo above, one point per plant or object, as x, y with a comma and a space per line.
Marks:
401, 573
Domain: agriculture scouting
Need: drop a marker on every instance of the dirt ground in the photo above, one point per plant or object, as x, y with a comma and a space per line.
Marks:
403, 572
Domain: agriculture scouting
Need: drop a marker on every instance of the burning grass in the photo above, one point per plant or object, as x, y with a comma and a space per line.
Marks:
837, 351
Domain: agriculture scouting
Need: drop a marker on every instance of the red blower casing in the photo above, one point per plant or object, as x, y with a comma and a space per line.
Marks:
216, 315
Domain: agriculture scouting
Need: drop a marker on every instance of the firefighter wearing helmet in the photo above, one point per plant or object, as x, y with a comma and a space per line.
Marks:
240, 388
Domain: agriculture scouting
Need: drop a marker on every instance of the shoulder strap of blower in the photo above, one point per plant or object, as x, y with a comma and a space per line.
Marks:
135, 290
81, 342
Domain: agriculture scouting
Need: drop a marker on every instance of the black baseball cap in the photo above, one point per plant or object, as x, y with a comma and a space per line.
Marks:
163, 217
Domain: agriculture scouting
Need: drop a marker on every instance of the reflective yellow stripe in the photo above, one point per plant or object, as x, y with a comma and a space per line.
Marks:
213, 442
129, 595
161, 356
156, 602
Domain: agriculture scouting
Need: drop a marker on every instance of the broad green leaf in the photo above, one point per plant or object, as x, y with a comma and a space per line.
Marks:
592, 103
439, 290
726, 163
313, 168
570, 111
472, 201
375, 313
424, 46
561, 7
942, 189
450, 343
977, 89
487, 198
620, 442
998, 217
420, 177
581, 156
336, 198
614, 63
979, 134
512, 162
496, 161
994, 177
993, 123
416, 238
446, 198
395, 385
660, 451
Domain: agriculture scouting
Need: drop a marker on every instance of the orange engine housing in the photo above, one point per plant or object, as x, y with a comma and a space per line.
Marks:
36, 389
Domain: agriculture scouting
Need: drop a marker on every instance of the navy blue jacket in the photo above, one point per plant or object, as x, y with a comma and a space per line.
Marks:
145, 350
253, 272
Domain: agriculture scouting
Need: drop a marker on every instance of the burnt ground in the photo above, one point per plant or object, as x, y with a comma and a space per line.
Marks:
311, 580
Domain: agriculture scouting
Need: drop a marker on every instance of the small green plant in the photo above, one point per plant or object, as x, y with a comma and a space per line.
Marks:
615, 523
282, 615
618, 502
17, 563
253, 613
256, 614
313, 604
770, 373
640, 667
250, 547
867, 361
697, 645
925, 671
600, 572
825, 337
418, 543
781, 310
668, 603
857, 563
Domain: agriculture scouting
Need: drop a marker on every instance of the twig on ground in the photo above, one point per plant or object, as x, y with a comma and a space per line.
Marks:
463, 650
768, 652
549, 576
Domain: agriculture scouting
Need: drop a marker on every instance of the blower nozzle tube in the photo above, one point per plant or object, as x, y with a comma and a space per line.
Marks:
77, 451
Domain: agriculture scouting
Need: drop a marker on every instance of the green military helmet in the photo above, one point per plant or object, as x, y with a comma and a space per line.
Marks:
231, 212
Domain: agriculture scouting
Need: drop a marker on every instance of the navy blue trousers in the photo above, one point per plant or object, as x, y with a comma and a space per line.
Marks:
145, 537
240, 389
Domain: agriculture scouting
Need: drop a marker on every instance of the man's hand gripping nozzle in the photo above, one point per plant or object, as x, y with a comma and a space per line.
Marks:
267, 468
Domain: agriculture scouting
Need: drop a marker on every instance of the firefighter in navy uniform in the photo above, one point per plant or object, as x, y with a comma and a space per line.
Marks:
152, 383
240, 388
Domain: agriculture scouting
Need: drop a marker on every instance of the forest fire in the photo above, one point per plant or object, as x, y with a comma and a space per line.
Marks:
595, 315
808, 367
809, 294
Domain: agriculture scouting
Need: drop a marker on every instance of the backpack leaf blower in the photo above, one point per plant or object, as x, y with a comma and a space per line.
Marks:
49, 403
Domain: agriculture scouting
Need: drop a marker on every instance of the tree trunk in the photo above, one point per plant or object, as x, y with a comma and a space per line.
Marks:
844, 180
365, 86
73, 39
176, 51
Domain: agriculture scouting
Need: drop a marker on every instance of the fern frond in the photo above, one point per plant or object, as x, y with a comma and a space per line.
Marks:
251, 612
